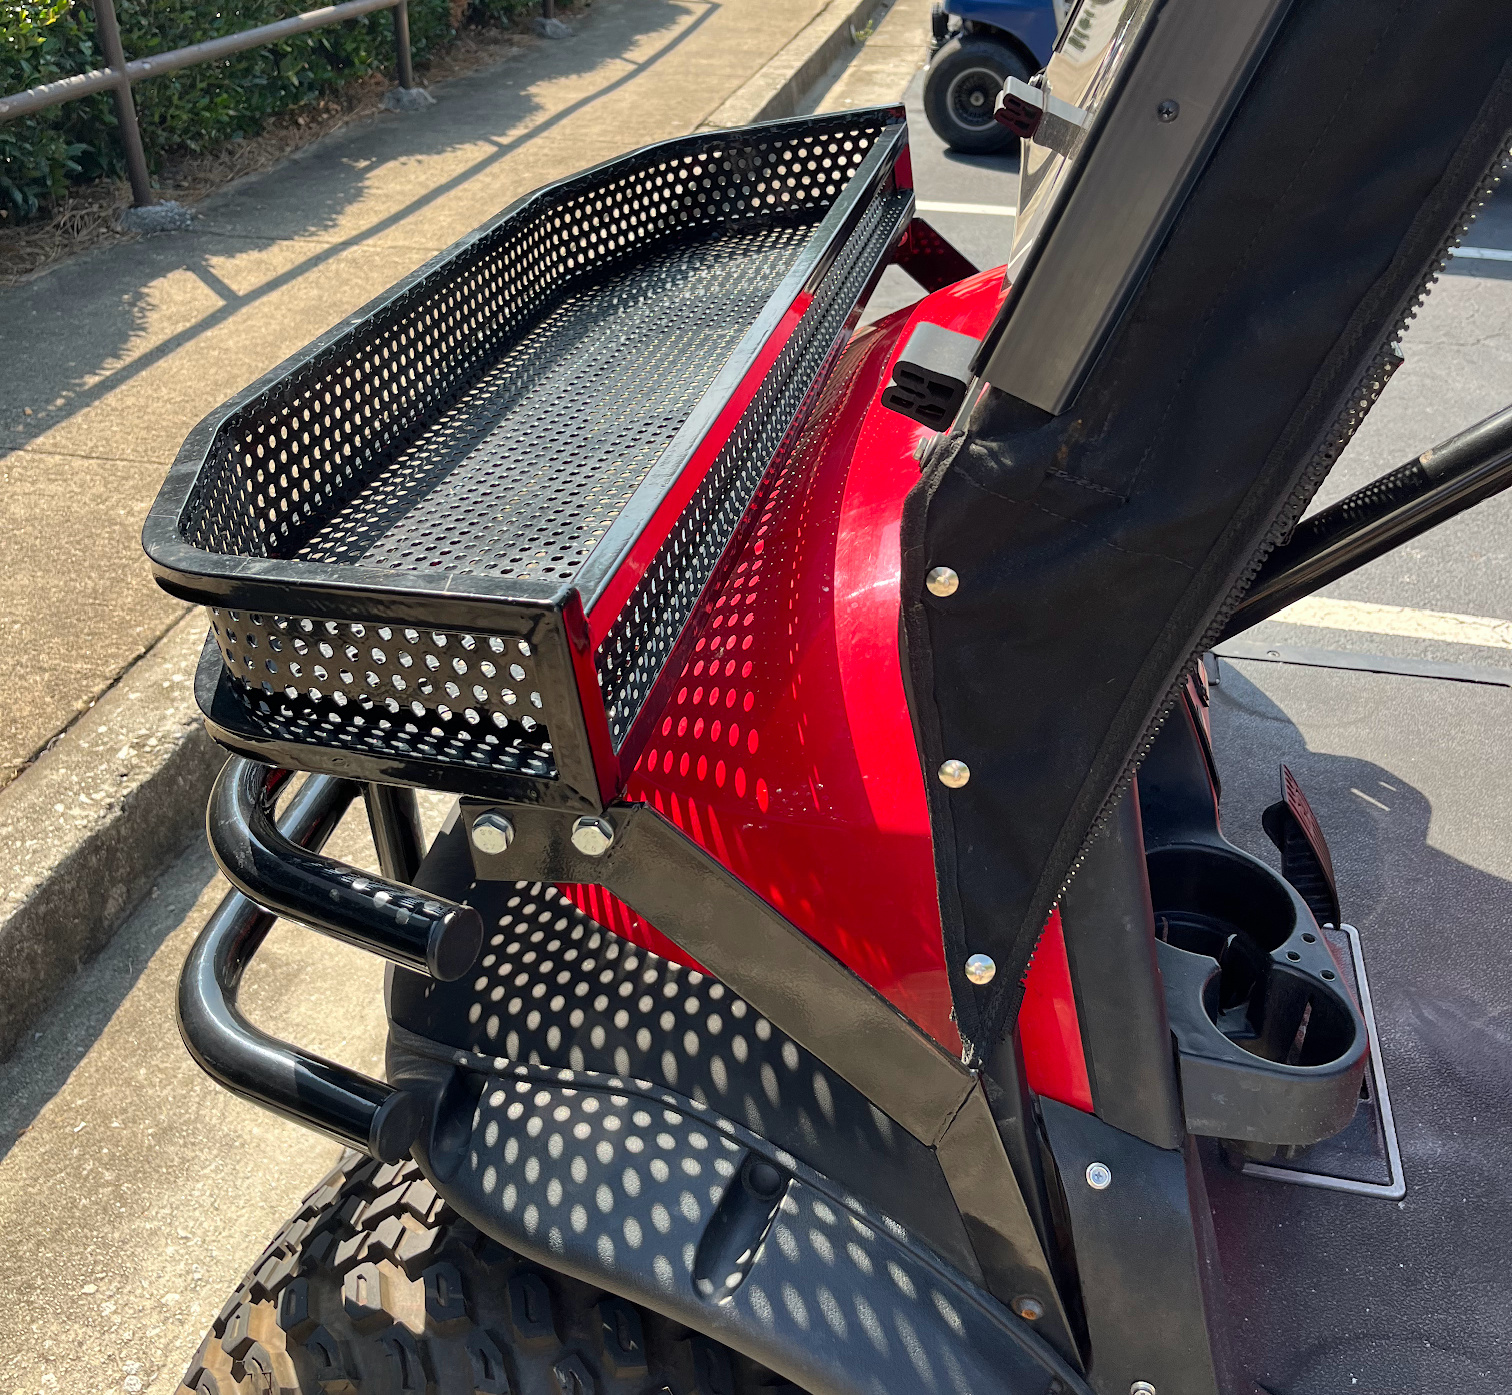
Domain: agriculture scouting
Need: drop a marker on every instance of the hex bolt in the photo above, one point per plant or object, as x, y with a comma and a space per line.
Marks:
954, 773
1167, 112
592, 836
980, 969
1030, 1309
1141, 1387
1099, 1176
492, 833
941, 581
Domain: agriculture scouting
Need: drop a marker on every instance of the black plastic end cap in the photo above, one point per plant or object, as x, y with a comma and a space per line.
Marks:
456, 940
396, 1125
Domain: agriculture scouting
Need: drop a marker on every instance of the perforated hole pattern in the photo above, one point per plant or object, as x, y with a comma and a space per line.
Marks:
641, 640
391, 689
489, 362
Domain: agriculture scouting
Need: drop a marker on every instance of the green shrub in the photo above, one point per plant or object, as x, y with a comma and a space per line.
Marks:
193, 109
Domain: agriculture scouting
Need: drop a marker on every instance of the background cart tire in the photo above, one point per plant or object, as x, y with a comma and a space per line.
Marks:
959, 91
377, 1287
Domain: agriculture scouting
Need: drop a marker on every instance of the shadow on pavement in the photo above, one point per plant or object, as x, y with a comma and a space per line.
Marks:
69, 1029
1335, 1292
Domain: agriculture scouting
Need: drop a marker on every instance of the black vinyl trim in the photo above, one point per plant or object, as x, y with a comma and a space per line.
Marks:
1099, 552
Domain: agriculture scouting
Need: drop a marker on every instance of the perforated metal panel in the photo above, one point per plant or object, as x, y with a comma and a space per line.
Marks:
433, 694
636, 649
449, 463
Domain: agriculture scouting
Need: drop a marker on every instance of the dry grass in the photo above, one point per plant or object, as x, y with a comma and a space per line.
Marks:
87, 218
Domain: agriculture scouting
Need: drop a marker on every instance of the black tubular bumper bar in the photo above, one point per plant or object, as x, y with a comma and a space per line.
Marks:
277, 870
1394, 509
301, 1086
422, 932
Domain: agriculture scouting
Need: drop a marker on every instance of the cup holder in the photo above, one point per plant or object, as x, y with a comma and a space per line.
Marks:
1254, 999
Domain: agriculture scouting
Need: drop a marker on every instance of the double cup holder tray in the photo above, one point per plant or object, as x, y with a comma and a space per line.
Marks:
456, 541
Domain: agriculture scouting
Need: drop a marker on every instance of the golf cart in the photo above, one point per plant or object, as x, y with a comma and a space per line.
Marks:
832, 974
975, 47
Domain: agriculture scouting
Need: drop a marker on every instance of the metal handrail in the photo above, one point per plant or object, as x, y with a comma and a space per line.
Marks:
416, 929
119, 74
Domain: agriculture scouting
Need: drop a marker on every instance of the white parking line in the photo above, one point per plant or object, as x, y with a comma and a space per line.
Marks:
1480, 254
996, 210
1369, 618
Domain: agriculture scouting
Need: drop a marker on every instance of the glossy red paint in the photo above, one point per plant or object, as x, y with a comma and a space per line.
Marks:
1049, 1029
786, 749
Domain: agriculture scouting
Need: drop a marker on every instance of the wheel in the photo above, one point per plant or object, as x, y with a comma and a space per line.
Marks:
377, 1287
960, 89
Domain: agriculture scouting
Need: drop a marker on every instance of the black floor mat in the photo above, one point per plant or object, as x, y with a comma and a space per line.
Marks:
1412, 781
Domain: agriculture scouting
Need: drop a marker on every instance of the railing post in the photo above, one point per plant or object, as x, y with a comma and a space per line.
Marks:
126, 117
402, 46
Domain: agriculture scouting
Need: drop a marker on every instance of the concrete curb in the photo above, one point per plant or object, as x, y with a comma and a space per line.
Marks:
779, 87
93, 822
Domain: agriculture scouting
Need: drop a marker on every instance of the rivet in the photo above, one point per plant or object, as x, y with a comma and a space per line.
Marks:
980, 969
954, 773
592, 836
1168, 110
1030, 1309
492, 834
1141, 1387
1099, 1176
941, 581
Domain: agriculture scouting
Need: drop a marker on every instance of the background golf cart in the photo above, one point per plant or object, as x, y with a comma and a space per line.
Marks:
978, 45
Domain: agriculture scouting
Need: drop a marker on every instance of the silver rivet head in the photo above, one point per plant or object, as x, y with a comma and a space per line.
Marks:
1030, 1309
954, 773
980, 969
592, 836
1141, 1387
1099, 1176
941, 581
492, 834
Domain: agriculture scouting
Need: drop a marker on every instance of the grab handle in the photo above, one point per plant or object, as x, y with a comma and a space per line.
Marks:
308, 1089
412, 928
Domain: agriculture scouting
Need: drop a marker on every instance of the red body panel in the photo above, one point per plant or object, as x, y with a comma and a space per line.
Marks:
1049, 1029
786, 749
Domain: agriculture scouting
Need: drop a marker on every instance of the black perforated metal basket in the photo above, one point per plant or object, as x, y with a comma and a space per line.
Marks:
455, 541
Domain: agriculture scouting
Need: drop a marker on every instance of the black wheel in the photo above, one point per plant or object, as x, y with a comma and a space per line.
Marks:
377, 1287
960, 89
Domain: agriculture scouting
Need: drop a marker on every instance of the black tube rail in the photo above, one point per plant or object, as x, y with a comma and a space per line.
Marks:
308, 1089
394, 816
410, 927
1396, 508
